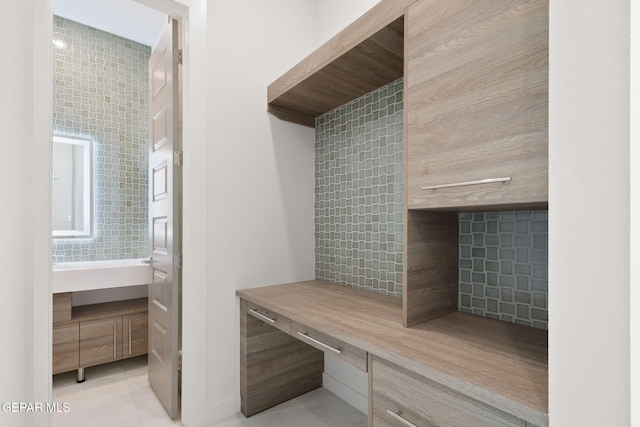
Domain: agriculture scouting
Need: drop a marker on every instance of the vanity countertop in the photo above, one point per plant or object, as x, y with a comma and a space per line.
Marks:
91, 275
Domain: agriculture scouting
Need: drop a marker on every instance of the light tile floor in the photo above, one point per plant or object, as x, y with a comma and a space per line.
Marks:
118, 394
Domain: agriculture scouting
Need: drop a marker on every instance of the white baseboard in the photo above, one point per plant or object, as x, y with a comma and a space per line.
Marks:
216, 411
346, 393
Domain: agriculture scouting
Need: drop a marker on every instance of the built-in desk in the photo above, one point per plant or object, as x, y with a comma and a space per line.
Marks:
455, 370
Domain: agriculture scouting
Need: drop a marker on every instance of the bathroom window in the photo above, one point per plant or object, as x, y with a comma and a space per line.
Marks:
71, 187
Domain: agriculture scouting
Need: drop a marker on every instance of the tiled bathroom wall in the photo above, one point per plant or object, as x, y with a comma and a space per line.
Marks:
504, 265
358, 221
100, 92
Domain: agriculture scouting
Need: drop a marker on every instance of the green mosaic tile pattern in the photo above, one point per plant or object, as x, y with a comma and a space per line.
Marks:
358, 207
504, 266
100, 92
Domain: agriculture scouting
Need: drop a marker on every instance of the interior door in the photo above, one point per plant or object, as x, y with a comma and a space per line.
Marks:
164, 219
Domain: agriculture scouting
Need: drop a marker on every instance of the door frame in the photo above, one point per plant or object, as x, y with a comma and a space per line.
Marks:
193, 13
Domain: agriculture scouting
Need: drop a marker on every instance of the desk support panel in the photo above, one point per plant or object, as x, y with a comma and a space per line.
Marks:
274, 366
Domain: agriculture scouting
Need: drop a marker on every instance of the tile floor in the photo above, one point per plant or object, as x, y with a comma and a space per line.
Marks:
118, 394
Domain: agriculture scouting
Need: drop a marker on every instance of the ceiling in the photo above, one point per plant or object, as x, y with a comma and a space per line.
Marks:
125, 18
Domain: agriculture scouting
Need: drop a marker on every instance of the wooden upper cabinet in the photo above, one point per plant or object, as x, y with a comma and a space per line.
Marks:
366, 55
476, 103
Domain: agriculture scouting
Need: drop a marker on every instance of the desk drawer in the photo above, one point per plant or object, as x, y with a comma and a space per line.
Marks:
330, 345
269, 317
401, 398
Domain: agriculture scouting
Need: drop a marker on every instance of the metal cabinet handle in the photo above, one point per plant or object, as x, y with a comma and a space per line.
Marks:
129, 337
115, 333
306, 336
262, 316
465, 183
399, 418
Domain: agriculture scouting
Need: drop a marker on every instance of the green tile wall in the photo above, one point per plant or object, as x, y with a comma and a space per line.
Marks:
100, 92
504, 266
358, 207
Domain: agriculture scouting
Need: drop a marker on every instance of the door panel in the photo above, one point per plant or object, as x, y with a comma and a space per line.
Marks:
164, 221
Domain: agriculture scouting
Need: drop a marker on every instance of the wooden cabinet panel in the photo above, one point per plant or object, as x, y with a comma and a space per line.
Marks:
431, 265
330, 345
399, 395
100, 341
274, 366
66, 349
476, 102
61, 307
135, 335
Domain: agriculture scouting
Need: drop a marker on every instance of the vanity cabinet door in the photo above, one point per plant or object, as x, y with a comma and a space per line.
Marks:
401, 398
476, 103
100, 341
66, 350
134, 335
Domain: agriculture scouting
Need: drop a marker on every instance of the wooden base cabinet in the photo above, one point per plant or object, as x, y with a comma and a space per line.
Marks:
100, 341
66, 351
135, 335
100, 333
115, 338
401, 398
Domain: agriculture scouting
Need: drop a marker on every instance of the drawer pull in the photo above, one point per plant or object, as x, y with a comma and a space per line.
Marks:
399, 418
465, 183
115, 333
262, 316
129, 337
306, 336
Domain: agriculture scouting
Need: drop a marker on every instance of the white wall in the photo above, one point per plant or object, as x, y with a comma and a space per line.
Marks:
635, 214
17, 247
23, 209
260, 186
335, 15
589, 213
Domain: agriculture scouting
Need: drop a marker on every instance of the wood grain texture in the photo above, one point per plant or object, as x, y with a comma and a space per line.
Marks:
431, 265
100, 341
426, 403
135, 335
274, 367
87, 338
66, 349
500, 364
117, 308
279, 322
367, 54
477, 102
61, 307
348, 353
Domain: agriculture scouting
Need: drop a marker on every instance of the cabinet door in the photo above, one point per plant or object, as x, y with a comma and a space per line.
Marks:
477, 103
66, 350
100, 341
402, 399
134, 335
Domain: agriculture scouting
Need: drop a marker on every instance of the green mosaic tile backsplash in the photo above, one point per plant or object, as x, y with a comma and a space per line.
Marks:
100, 92
358, 207
504, 266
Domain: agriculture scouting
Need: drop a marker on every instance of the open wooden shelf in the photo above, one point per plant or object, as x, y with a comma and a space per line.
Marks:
364, 56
